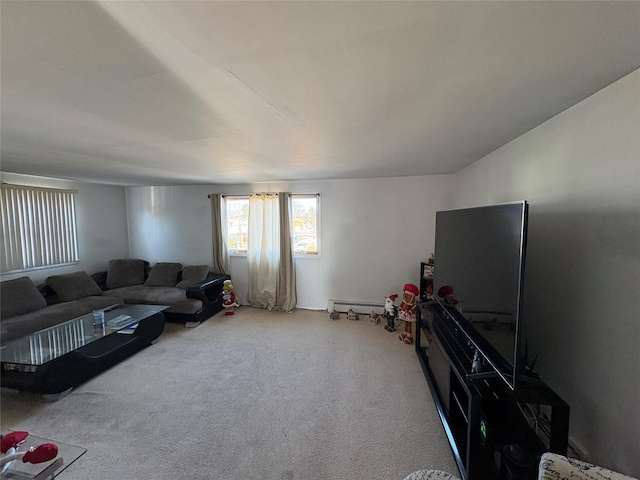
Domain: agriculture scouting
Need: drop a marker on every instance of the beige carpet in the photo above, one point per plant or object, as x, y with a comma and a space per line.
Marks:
258, 395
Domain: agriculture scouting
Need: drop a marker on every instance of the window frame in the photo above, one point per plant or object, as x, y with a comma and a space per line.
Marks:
292, 196
227, 198
315, 254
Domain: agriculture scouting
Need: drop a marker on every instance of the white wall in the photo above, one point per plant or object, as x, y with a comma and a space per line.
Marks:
375, 232
580, 172
101, 218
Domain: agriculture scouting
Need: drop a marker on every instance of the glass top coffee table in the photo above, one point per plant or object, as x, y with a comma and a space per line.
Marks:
57, 358
17, 470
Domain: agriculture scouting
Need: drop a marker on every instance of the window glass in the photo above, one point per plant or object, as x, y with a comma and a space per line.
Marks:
304, 214
237, 224
305, 224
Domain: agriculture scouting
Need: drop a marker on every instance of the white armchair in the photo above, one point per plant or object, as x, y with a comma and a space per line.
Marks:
430, 475
552, 467
555, 467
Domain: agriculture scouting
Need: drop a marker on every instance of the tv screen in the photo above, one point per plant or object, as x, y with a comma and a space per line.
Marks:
479, 260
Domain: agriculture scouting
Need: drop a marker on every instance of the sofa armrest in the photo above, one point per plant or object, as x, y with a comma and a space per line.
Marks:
554, 466
209, 289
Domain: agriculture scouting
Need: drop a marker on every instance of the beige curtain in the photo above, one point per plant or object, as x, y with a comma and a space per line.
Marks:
218, 234
269, 255
286, 296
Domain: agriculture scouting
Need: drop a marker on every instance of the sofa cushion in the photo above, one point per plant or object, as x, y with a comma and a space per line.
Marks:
73, 286
19, 296
193, 274
125, 272
149, 295
163, 275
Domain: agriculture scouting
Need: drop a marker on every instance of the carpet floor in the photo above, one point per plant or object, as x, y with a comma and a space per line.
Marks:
257, 395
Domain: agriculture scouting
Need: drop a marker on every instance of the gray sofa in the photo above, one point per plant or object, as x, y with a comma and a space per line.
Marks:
25, 308
192, 294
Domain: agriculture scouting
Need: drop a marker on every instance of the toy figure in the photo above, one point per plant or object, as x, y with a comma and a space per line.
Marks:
390, 312
228, 297
12, 440
334, 315
446, 293
352, 315
9, 448
407, 311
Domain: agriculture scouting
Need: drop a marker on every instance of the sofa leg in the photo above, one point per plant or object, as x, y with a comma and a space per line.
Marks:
191, 324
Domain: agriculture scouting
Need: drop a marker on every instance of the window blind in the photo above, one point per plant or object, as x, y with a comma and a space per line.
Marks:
38, 227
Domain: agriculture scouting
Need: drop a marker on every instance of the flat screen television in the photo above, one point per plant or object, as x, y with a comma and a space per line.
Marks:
480, 255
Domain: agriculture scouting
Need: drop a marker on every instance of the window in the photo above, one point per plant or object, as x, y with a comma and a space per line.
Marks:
38, 227
237, 224
304, 215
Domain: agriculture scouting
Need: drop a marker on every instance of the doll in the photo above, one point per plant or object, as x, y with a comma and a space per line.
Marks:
390, 312
407, 311
228, 297
446, 293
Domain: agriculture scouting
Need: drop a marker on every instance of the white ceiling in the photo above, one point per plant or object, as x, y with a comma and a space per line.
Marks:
181, 92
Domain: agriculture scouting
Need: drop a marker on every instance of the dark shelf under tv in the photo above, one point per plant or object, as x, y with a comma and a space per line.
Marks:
426, 279
482, 414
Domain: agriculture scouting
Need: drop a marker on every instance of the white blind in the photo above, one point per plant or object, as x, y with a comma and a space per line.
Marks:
38, 227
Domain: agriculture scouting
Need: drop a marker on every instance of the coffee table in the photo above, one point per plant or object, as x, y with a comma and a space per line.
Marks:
17, 470
54, 360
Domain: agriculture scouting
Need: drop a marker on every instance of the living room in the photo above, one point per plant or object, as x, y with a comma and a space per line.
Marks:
579, 171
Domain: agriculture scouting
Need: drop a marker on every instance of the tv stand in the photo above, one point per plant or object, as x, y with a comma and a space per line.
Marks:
481, 415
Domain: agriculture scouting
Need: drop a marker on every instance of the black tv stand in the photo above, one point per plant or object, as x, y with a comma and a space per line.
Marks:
481, 415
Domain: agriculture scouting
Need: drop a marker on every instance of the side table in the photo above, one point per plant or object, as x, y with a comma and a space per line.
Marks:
17, 470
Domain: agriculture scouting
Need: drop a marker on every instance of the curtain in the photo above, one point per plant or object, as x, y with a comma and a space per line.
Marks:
219, 234
269, 256
286, 296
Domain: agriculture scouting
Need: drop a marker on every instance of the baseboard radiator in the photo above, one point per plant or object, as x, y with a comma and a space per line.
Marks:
344, 306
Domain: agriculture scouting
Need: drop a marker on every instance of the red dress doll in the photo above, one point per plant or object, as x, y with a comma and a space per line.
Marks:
407, 311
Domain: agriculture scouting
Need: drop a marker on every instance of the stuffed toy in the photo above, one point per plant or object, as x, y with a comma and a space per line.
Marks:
407, 311
228, 297
390, 312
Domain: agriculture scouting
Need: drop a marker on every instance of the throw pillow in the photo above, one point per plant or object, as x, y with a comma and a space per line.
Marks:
19, 296
73, 286
163, 275
193, 274
125, 272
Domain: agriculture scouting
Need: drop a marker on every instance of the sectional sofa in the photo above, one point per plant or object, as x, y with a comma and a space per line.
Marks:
191, 292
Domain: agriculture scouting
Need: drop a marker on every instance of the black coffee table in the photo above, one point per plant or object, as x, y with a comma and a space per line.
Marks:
54, 360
